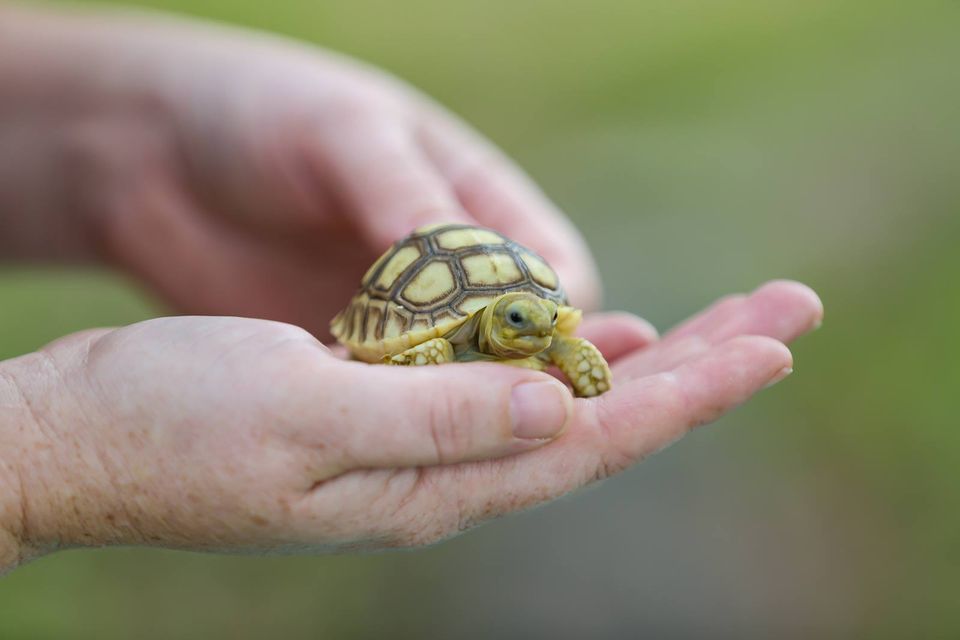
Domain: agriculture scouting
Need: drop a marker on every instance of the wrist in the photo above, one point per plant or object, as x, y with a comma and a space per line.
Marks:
52, 480
18, 432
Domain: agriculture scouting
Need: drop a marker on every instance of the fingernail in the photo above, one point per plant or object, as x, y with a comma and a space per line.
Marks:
780, 375
539, 409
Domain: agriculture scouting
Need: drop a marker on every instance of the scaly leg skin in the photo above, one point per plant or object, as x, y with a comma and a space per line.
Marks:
582, 363
436, 351
533, 362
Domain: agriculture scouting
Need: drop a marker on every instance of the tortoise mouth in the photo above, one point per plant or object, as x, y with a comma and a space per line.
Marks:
523, 346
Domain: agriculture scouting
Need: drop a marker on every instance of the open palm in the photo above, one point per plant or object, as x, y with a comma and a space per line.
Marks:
663, 389
231, 433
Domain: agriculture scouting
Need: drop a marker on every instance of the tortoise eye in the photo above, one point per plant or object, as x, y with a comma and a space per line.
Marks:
554, 317
516, 318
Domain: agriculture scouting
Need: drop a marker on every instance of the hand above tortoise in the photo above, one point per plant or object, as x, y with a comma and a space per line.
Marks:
235, 434
214, 163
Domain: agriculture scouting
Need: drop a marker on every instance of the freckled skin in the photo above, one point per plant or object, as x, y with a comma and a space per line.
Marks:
203, 433
237, 424
159, 501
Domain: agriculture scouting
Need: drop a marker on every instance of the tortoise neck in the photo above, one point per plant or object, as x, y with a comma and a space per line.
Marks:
485, 330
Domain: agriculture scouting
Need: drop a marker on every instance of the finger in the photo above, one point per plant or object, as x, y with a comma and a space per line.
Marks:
782, 310
212, 267
694, 393
387, 182
620, 428
617, 333
660, 357
437, 415
499, 195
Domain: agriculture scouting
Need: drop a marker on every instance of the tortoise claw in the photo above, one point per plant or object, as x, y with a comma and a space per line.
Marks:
435, 351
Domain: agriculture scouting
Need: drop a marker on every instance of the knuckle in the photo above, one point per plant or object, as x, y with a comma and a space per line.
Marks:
359, 107
290, 334
730, 301
290, 347
449, 431
100, 154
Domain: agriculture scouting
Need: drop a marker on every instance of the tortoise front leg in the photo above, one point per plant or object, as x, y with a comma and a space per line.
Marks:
436, 351
533, 362
582, 363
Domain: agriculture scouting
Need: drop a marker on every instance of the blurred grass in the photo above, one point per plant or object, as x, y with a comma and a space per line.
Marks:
40, 305
702, 147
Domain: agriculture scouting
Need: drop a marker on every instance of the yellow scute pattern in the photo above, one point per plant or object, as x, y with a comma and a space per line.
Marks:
472, 304
433, 282
539, 270
373, 269
491, 269
458, 238
394, 326
397, 265
374, 313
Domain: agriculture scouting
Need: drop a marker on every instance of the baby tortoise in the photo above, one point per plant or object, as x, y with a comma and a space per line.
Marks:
459, 293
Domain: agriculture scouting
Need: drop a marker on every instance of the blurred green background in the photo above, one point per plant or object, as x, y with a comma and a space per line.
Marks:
702, 147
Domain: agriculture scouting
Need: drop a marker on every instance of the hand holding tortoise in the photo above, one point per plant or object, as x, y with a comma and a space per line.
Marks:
234, 434
244, 175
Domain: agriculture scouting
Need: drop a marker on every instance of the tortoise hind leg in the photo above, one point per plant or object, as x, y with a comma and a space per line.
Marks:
436, 351
582, 363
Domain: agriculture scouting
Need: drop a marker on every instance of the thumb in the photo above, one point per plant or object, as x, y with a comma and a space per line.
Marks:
421, 416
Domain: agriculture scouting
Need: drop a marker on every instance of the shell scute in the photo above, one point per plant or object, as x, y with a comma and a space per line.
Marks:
459, 238
396, 266
431, 284
539, 270
491, 269
471, 304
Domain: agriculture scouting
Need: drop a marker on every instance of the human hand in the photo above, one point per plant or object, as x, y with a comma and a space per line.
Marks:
215, 164
233, 434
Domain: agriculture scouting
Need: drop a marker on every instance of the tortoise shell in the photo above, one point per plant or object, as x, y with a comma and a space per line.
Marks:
434, 280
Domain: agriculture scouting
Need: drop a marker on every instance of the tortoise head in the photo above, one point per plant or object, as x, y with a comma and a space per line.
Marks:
517, 325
